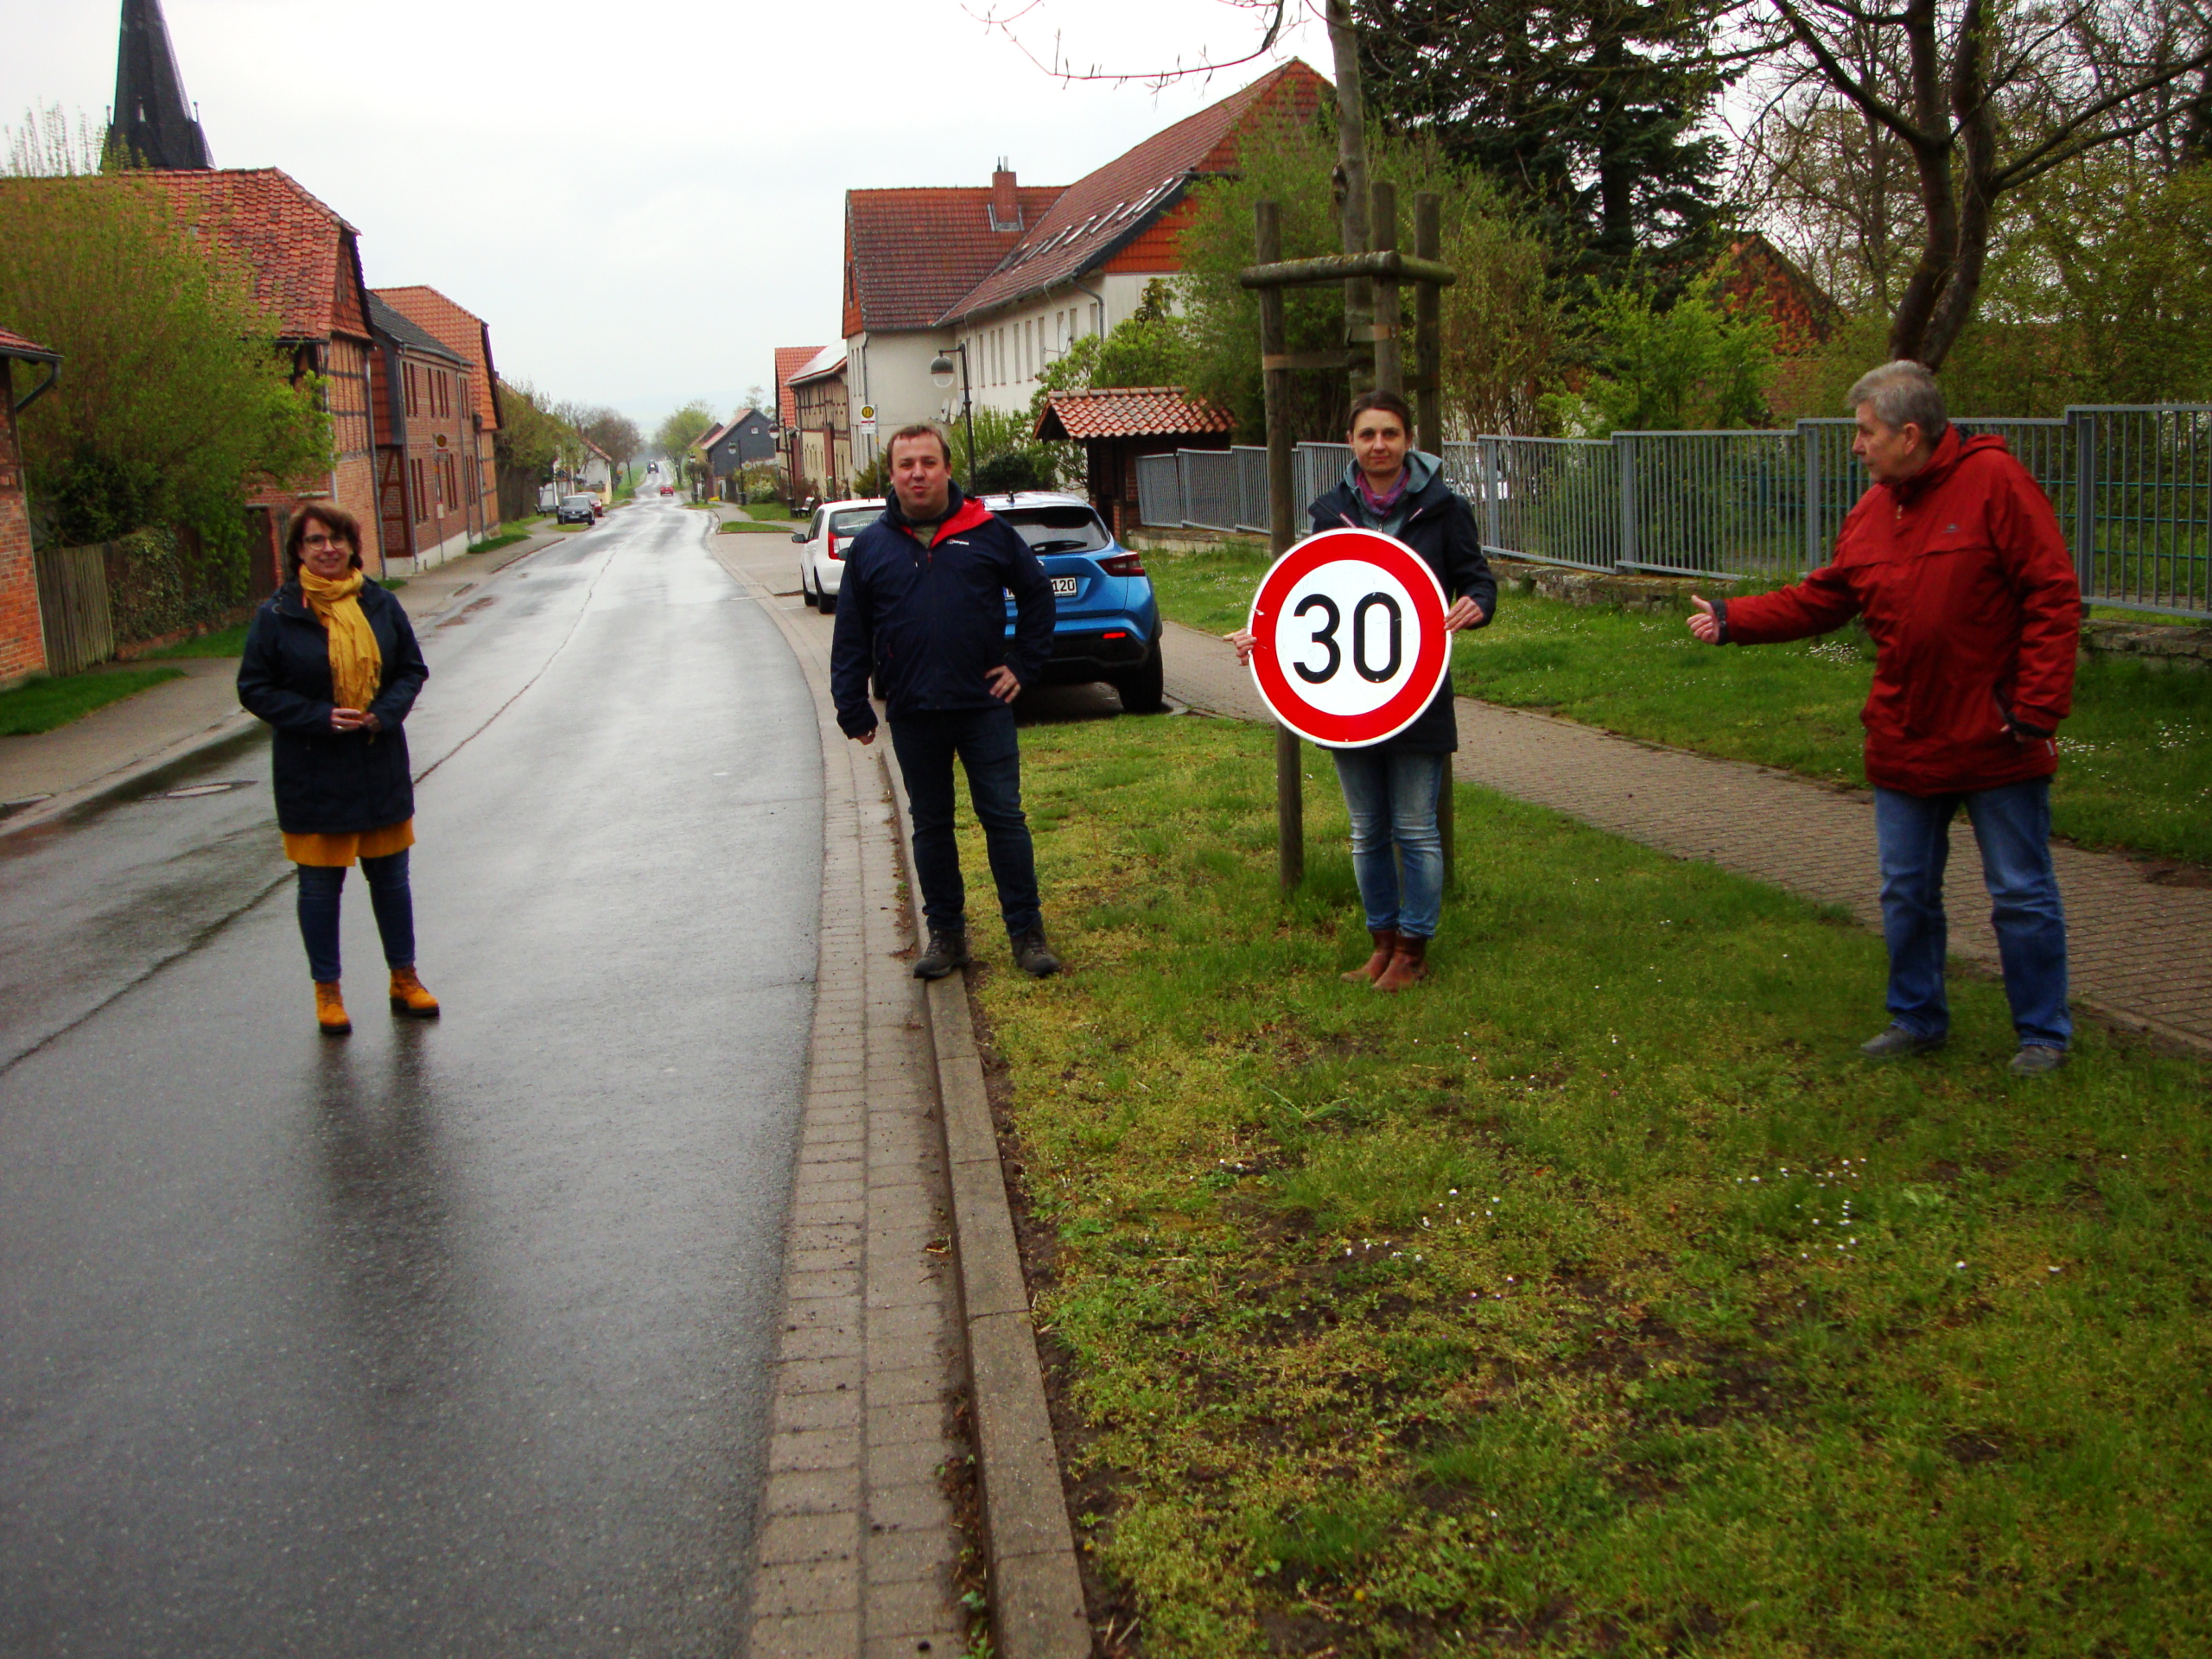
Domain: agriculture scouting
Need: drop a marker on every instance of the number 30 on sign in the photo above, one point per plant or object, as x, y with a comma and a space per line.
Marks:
1351, 646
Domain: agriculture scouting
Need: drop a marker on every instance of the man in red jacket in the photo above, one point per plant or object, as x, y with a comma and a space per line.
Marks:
1954, 560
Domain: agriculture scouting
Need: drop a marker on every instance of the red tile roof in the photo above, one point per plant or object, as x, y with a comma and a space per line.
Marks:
14, 345
909, 254
831, 359
303, 259
458, 329
1094, 217
1129, 412
788, 360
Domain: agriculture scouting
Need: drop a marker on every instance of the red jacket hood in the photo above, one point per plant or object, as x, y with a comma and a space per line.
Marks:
1951, 448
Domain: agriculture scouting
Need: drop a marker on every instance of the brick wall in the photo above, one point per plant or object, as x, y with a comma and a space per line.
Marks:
22, 645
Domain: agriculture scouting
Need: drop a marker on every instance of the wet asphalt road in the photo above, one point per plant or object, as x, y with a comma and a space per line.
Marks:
446, 1338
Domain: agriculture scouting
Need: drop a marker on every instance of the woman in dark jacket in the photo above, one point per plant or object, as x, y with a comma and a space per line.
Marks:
1391, 788
332, 664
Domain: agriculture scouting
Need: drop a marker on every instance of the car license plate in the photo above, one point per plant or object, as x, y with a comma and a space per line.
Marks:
1064, 586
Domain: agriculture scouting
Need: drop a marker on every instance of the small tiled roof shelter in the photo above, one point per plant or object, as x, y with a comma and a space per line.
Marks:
22, 637
1116, 424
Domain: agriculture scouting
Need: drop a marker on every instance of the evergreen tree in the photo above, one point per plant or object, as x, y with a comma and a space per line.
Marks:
1585, 108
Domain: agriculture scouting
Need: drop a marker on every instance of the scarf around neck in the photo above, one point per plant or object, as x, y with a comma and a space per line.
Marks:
356, 664
1382, 504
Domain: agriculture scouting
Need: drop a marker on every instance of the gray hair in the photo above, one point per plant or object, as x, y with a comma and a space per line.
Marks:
1903, 393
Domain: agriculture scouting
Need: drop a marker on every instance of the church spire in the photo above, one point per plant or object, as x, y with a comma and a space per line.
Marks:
153, 124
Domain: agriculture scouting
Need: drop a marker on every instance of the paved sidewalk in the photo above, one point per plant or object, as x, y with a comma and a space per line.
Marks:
47, 774
857, 1541
2139, 952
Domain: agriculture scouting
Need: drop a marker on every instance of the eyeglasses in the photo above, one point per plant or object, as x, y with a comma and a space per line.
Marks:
324, 544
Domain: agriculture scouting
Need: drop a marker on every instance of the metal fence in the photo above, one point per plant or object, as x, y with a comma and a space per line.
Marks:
2131, 485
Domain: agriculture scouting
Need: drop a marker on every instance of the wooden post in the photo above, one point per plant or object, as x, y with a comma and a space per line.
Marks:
1428, 428
1283, 510
1389, 359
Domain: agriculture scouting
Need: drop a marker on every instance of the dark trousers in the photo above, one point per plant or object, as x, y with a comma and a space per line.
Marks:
389, 896
2011, 824
984, 740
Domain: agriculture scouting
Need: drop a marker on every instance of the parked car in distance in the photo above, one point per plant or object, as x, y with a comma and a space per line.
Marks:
577, 509
1106, 622
820, 559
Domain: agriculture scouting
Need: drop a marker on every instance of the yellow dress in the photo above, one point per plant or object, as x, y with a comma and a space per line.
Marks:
336, 852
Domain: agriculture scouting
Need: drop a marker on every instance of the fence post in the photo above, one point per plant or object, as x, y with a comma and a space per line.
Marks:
1487, 449
1808, 445
1625, 558
2085, 501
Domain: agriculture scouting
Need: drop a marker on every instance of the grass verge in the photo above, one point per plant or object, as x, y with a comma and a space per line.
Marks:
43, 705
1592, 1297
750, 526
2135, 756
507, 537
222, 642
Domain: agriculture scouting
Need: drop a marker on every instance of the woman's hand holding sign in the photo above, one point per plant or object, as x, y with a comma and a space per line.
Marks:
1465, 613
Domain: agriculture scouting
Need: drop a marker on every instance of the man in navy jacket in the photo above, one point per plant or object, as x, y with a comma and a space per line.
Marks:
922, 604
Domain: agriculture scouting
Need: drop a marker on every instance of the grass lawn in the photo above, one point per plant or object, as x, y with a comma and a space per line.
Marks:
1591, 1298
2135, 756
750, 526
223, 642
43, 705
773, 511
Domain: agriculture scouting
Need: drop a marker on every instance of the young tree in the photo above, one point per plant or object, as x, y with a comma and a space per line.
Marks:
684, 426
1986, 97
176, 399
616, 434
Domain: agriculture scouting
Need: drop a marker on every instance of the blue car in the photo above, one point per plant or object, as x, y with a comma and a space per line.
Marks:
1107, 625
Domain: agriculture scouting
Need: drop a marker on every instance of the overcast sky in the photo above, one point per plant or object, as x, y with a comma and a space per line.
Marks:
644, 199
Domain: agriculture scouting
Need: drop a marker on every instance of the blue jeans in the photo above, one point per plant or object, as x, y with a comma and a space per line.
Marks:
1395, 852
984, 741
389, 896
2011, 824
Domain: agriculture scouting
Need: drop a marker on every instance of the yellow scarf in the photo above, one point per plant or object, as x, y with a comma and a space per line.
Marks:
356, 665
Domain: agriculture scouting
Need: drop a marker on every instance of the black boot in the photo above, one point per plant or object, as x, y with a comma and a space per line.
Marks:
947, 949
1032, 956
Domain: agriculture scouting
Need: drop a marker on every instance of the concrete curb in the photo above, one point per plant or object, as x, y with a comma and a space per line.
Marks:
1037, 1609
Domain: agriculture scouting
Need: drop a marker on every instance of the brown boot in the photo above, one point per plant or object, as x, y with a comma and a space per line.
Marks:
408, 995
330, 1009
1409, 962
1385, 946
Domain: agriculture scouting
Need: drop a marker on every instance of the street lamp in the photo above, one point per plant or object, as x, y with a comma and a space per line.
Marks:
941, 372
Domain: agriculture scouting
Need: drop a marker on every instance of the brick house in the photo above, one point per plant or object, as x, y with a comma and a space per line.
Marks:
1756, 278
23, 636
790, 359
304, 263
461, 330
429, 498
1019, 274
819, 395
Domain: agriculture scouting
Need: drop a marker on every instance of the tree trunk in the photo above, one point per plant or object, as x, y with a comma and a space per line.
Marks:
1351, 189
1932, 148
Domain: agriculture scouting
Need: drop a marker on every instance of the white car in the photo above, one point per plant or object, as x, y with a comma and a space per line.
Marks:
821, 559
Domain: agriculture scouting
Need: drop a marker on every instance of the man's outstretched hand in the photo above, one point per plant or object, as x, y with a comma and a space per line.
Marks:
1703, 623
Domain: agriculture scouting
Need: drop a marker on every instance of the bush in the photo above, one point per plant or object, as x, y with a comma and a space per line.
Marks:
1016, 469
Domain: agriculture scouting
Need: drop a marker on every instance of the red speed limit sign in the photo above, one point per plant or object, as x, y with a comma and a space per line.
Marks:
1352, 645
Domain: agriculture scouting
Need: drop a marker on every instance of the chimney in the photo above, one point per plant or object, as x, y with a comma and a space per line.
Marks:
1006, 206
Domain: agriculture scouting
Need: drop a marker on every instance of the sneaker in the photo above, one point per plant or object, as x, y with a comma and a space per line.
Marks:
1033, 957
2037, 1060
947, 949
1897, 1043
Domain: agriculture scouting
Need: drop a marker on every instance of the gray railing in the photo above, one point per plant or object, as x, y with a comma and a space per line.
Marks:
2132, 486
